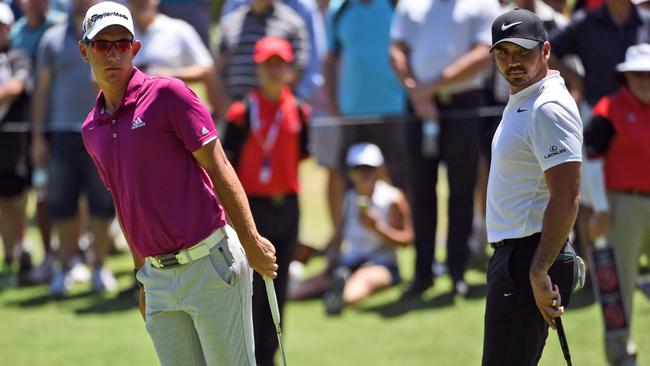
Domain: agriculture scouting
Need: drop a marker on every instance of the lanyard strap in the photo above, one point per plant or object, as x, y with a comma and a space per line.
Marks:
256, 126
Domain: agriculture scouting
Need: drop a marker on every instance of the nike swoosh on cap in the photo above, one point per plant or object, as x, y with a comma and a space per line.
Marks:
505, 27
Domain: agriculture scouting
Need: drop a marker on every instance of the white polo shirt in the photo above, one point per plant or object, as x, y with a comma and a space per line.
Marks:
438, 32
540, 128
170, 43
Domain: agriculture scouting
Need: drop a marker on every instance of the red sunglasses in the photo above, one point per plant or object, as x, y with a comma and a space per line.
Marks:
121, 45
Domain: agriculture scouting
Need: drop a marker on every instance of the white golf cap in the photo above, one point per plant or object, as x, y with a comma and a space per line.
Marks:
637, 58
105, 14
364, 154
6, 15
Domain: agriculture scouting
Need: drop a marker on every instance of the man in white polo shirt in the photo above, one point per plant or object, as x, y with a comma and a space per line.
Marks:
533, 196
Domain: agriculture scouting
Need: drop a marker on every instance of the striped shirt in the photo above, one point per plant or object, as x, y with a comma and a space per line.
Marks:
240, 30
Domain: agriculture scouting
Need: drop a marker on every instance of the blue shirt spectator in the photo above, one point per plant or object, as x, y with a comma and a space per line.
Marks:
26, 38
360, 36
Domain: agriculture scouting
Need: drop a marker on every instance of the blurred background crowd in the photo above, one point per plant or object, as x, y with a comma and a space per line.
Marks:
385, 90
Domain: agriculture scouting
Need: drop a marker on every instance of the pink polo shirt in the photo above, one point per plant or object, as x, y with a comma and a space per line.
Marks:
143, 152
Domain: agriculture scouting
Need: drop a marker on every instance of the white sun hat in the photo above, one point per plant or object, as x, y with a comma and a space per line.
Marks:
364, 154
6, 15
637, 58
105, 14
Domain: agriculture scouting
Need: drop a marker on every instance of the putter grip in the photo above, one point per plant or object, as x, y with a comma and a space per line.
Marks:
273, 300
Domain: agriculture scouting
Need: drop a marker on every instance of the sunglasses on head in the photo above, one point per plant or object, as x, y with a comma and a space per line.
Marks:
121, 45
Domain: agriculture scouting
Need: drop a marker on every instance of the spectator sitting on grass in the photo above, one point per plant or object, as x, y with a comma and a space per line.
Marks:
376, 220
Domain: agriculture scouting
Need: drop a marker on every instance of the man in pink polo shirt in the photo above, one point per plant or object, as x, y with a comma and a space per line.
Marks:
157, 151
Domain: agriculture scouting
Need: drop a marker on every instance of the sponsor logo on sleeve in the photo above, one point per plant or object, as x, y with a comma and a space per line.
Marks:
553, 151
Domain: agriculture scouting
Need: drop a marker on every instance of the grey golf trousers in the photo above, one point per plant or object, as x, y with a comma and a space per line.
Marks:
200, 313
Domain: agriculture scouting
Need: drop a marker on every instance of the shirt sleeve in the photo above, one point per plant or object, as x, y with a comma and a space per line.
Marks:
20, 65
189, 118
231, 5
401, 26
301, 44
196, 50
555, 135
483, 30
598, 136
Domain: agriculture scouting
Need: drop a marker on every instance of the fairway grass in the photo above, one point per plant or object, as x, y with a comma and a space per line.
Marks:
440, 329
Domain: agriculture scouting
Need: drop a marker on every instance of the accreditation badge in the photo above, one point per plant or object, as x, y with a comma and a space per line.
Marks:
265, 170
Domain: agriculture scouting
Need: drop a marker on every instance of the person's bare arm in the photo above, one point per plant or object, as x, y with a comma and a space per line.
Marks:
259, 251
40, 106
330, 67
563, 182
11, 90
420, 99
399, 60
398, 230
193, 73
217, 93
465, 67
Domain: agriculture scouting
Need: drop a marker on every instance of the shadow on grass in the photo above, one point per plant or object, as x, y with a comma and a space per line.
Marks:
125, 300
47, 298
401, 307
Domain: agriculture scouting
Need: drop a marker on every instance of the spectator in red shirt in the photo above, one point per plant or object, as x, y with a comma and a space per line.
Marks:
617, 179
265, 139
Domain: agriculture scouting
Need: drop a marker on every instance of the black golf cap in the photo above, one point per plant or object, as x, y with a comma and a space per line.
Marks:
518, 26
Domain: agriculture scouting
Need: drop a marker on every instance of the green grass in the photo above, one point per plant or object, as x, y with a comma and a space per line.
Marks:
438, 330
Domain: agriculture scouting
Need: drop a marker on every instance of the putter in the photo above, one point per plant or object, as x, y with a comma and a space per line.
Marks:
563, 342
275, 313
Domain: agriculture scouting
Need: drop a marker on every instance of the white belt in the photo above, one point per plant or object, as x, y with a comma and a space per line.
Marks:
189, 255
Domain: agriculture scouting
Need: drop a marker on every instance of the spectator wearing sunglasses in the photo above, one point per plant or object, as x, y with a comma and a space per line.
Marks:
64, 93
158, 153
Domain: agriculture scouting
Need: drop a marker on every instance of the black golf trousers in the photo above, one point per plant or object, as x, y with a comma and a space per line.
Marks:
515, 331
277, 219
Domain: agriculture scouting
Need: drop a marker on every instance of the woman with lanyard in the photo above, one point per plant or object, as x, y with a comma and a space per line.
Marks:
265, 138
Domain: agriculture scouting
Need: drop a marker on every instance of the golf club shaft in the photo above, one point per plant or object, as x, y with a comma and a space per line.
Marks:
563, 342
275, 313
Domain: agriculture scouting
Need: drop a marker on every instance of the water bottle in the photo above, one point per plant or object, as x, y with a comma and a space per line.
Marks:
430, 134
39, 182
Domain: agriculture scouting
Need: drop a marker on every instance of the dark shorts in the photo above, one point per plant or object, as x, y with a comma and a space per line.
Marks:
12, 185
72, 172
515, 331
354, 264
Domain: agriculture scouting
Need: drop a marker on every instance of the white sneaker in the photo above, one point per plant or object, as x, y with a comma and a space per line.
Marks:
78, 270
42, 273
103, 280
61, 284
